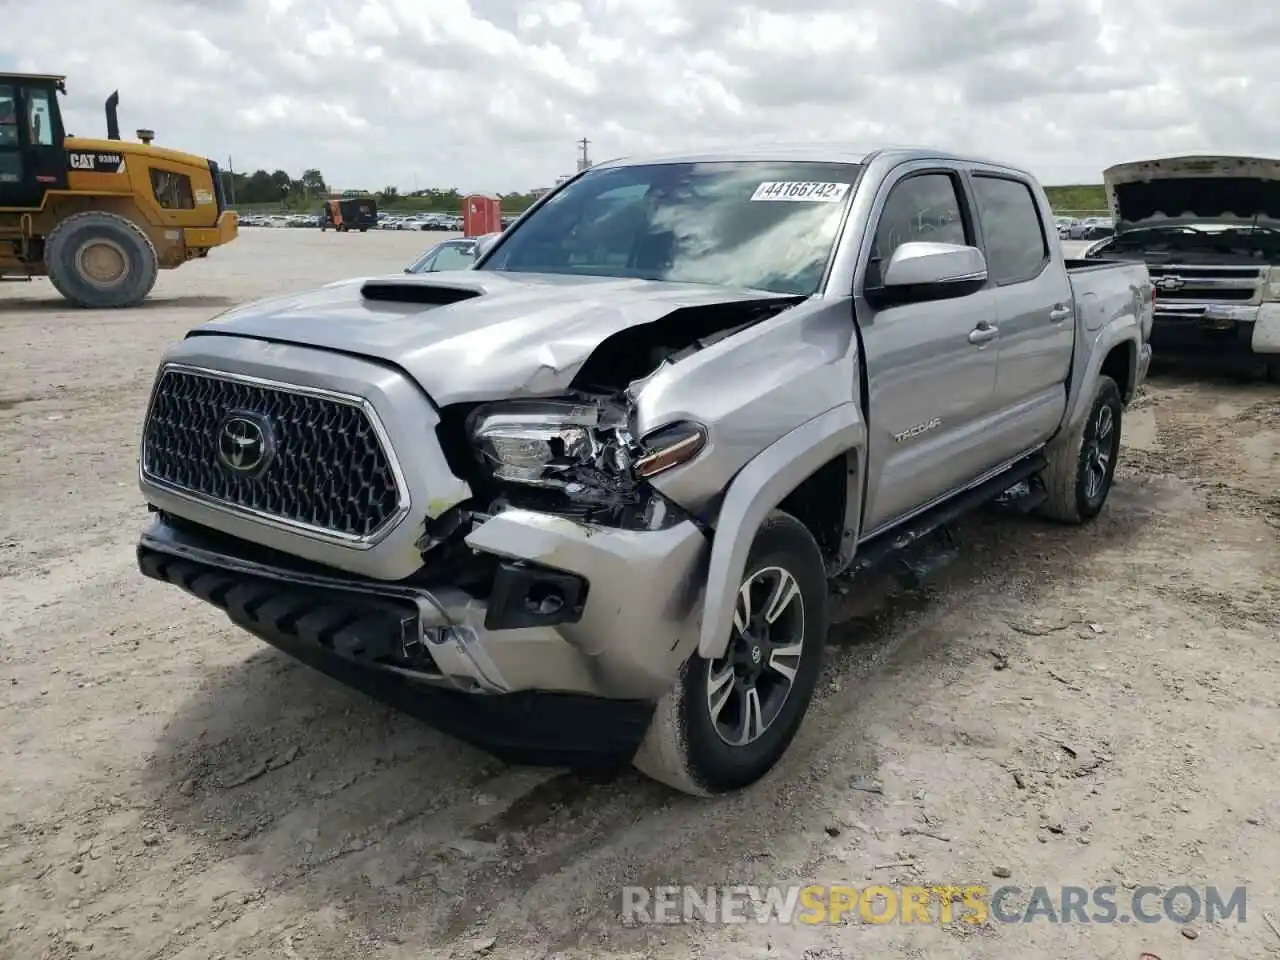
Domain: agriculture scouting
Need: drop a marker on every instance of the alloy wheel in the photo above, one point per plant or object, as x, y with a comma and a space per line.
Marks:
748, 686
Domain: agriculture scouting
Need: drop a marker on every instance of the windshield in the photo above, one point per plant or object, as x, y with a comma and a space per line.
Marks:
761, 225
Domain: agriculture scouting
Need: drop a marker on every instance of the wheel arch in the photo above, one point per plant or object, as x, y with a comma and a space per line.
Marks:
810, 453
1113, 348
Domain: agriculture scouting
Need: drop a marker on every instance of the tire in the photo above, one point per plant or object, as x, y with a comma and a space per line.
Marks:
1082, 462
364, 229
1273, 372
685, 747
124, 247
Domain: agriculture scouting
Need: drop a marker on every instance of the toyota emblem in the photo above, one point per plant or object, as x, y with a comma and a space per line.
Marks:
246, 443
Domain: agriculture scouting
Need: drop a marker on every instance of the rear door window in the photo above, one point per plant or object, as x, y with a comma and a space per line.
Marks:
1012, 229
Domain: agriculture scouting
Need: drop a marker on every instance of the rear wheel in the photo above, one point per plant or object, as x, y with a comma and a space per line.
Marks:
726, 722
101, 260
1082, 462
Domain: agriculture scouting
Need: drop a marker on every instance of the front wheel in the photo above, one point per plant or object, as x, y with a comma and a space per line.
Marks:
726, 722
100, 260
1082, 462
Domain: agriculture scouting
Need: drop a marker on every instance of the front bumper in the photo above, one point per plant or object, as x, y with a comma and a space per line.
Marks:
1216, 331
634, 624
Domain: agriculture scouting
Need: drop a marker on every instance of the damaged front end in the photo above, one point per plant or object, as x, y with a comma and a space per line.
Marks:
582, 458
576, 458
582, 455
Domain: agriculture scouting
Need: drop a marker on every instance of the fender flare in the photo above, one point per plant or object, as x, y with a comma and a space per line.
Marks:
756, 490
1114, 334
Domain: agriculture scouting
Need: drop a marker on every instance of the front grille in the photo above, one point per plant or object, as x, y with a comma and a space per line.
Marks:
328, 472
1192, 292
1206, 283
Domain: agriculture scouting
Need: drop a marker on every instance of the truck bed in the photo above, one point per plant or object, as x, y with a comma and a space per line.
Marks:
1104, 290
1076, 265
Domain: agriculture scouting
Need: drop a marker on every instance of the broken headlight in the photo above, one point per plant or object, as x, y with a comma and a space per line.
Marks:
583, 450
540, 443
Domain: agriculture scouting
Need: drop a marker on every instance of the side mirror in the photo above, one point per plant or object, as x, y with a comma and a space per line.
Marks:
933, 265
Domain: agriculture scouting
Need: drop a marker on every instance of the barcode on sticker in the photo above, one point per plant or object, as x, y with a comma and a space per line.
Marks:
801, 191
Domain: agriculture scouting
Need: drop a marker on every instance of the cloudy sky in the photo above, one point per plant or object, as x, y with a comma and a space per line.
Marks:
492, 94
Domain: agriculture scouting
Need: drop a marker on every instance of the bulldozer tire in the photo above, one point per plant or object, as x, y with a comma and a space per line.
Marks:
100, 261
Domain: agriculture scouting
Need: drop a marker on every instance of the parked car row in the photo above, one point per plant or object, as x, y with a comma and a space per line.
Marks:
1087, 228
280, 220
443, 222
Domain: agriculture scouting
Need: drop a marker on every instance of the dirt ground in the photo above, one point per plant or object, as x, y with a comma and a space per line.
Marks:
1063, 706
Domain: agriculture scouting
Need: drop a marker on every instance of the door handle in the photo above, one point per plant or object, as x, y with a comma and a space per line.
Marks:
983, 333
1059, 313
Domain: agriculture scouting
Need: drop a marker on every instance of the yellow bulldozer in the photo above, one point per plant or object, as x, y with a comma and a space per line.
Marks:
99, 218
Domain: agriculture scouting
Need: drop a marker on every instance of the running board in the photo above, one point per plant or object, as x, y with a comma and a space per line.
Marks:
891, 544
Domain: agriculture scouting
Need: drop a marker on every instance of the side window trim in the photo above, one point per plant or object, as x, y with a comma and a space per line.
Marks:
976, 175
964, 200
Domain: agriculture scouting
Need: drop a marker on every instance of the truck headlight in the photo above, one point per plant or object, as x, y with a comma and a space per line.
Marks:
575, 446
539, 442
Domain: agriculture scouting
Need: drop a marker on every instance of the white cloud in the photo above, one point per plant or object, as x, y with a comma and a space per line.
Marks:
492, 94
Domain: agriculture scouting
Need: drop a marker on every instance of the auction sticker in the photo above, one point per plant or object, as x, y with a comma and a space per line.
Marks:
800, 191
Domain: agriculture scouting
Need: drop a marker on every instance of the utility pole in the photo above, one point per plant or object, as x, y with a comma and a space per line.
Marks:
231, 181
584, 161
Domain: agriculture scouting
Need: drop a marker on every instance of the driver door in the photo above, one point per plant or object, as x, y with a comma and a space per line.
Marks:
931, 365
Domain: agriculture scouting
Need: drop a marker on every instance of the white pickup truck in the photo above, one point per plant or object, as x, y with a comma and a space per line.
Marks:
1208, 230
583, 500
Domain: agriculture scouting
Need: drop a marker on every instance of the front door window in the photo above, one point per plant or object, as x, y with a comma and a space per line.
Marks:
10, 158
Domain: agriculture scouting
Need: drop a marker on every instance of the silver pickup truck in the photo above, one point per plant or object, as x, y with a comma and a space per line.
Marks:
1208, 229
582, 502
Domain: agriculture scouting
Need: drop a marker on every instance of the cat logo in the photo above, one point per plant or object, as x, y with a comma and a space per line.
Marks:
95, 162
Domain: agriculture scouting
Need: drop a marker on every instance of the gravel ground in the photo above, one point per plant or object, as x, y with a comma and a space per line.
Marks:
1064, 706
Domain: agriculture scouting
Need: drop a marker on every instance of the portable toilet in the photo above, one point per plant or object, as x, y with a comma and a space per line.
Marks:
481, 214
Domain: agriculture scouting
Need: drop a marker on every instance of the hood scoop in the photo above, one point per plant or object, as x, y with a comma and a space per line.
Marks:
409, 291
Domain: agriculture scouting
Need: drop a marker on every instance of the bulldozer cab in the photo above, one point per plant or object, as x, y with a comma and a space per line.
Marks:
32, 159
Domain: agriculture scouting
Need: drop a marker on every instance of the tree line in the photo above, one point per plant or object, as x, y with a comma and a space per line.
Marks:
280, 190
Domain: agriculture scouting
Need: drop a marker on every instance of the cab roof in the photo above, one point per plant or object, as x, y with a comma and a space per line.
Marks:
58, 79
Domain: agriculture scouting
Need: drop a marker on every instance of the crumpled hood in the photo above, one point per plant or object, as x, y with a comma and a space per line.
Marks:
1194, 189
516, 335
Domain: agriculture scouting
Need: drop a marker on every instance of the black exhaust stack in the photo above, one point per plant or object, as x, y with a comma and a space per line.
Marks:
113, 122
